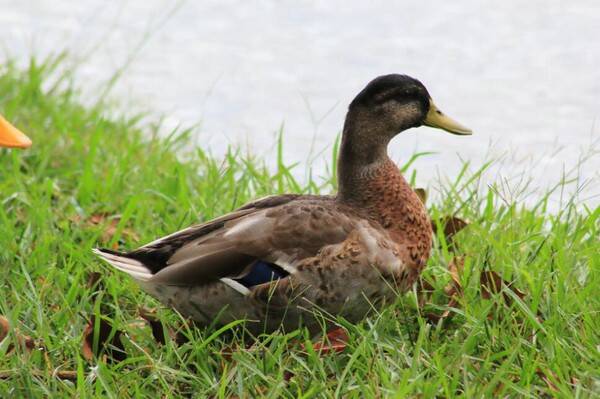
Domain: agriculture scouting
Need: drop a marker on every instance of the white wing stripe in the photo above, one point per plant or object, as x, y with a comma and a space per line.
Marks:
236, 286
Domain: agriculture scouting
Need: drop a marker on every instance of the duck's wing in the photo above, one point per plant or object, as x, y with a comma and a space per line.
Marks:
262, 238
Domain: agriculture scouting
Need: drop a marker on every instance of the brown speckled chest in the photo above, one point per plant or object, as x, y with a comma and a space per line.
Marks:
387, 199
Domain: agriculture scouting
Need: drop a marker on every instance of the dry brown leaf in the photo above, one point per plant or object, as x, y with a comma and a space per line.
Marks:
94, 283
432, 317
424, 291
455, 267
228, 351
100, 218
574, 381
27, 342
158, 330
22, 340
110, 345
93, 279
422, 194
336, 342
544, 376
110, 224
446, 315
4, 328
492, 283
451, 225
70, 375
499, 388
179, 333
288, 375
452, 290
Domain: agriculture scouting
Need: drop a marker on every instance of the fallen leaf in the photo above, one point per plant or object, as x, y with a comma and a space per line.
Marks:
574, 381
544, 376
93, 280
95, 284
111, 227
4, 328
288, 375
424, 290
453, 290
434, 318
99, 218
336, 342
107, 343
499, 388
110, 224
70, 375
422, 194
492, 283
158, 330
27, 342
455, 267
451, 225
179, 334
22, 340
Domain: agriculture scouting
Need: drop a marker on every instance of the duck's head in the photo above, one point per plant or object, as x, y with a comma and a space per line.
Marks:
390, 104
387, 106
12, 137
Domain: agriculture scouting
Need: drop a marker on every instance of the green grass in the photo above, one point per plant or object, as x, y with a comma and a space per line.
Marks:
85, 162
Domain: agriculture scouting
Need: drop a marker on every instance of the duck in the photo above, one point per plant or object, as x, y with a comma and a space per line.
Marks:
296, 260
11, 137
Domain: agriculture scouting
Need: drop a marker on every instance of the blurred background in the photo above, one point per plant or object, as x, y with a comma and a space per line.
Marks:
525, 76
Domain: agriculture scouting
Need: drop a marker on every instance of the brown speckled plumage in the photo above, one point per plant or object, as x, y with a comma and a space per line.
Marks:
340, 255
389, 199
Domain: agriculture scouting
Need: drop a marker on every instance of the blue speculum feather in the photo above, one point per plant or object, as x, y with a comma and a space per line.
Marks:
262, 272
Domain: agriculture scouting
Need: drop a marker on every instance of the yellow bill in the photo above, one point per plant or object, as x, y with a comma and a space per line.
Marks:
12, 137
436, 118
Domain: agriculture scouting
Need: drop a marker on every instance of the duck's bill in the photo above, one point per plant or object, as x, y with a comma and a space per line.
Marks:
12, 137
436, 118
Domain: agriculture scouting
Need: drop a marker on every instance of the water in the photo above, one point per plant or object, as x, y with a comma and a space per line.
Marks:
524, 76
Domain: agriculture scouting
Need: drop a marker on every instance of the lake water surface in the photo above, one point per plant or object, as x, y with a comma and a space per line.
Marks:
524, 75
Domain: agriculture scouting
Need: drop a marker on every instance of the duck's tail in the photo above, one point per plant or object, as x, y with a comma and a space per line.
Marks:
121, 261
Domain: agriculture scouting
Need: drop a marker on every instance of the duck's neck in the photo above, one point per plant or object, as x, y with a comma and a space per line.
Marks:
369, 180
362, 159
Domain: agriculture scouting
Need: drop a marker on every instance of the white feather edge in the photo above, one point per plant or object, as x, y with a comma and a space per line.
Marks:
130, 266
281, 262
236, 286
287, 267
